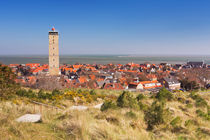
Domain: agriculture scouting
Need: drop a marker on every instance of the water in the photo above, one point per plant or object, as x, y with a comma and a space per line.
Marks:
102, 59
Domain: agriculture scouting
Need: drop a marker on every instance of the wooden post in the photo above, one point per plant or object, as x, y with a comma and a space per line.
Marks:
40, 109
34, 108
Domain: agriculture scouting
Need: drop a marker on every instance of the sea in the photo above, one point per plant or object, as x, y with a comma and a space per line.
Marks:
103, 59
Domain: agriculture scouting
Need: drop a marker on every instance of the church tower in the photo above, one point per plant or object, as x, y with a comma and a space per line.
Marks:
53, 53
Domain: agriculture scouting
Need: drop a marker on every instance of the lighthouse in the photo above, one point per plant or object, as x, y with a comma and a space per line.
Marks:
53, 52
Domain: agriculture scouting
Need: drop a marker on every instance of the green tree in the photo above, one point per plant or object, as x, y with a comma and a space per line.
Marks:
126, 100
8, 86
156, 115
164, 94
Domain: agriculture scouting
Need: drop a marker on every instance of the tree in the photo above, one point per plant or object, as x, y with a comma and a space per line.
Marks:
8, 86
156, 115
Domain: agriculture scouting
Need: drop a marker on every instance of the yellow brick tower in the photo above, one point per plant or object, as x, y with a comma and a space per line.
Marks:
53, 53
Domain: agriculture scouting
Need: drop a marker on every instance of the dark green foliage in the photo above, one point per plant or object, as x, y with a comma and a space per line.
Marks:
164, 94
21, 92
140, 97
203, 114
182, 138
131, 115
33, 95
189, 85
41, 94
92, 92
189, 105
199, 101
30, 94
176, 122
142, 106
156, 115
56, 92
108, 105
126, 100
8, 86
190, 122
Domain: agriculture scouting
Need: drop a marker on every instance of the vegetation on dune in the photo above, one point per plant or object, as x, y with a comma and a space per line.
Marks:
123, 115
164, 94
152, 119
8, 86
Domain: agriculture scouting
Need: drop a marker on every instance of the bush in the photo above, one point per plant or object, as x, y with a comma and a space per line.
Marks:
92, 92
189, 105
164, 94
56, 92
131, 115
176, 122
8, 86
140, 97
142, 106
108, 105
156, 115
199, 101
203, 114
190, 122
126, 100
21, 92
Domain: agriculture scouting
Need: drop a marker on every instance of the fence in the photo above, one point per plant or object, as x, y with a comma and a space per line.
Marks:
41, 107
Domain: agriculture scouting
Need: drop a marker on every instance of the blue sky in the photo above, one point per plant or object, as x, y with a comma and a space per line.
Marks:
152, 27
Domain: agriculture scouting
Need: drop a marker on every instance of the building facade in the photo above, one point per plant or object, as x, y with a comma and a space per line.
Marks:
53, 53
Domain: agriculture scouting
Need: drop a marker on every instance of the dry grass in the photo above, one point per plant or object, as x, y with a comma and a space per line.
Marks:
92, 124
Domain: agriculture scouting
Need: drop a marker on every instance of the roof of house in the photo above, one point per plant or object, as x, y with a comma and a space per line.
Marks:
171, 80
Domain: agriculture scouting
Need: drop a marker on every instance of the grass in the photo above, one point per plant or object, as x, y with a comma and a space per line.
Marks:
112, 124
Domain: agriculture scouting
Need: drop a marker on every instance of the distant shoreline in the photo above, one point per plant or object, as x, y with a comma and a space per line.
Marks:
102, 59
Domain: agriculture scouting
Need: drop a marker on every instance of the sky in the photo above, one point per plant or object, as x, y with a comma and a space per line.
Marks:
144, 27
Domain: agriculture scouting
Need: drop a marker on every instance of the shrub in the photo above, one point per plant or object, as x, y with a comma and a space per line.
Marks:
131, 115
8, 86
21, 92
56, 92
92, 92
190, 122
140, 97
176, 122
156, 115
108, 105
189, 105
126, 100
142, 106
203, 114
199, 101
164, 94
41, 94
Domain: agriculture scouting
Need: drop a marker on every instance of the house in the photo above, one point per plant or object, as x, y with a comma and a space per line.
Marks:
171, 83
152, 77
132, 85
195, 64
113, 86
148, 85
